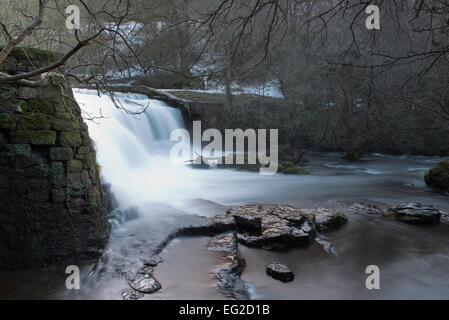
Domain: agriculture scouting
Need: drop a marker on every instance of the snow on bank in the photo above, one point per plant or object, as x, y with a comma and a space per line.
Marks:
270, 89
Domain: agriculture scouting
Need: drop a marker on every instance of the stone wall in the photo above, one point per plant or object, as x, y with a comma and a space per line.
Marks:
51, 203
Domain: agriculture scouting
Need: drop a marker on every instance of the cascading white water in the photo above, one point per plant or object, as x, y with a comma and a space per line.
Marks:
133, 146
133, 152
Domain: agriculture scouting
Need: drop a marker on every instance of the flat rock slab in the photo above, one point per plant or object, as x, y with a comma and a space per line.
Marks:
272, 228
414, 213
228, 274
280, 272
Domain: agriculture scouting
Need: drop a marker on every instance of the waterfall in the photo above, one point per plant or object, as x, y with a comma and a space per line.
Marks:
133, 146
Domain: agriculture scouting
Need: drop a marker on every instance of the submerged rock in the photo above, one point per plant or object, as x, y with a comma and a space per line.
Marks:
228, 274
367, 208
280, 272
414, 213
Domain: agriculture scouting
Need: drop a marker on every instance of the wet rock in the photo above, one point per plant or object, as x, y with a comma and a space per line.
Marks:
327, 246
282, 227
153, 261
288, 167
145, 283
327, 220
209, 226
438, 177
277, 235
271, 228
248, 224
367, 208
280, 272
353, 155
414, 213
130, 294
228, 274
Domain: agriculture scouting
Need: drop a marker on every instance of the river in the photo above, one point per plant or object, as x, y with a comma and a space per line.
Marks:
132, 152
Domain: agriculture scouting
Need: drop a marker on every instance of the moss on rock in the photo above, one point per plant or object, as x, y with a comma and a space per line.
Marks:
65, 125
34, 121
35, 55
75, 166
290, 168
8, 121
72, 139
61, 154
15, 150
40, 106
57, 174
438, 177
34, 137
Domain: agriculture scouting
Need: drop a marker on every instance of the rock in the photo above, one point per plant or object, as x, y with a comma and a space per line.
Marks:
34, 121
277, 235
34, 137
366, 208
274, 228
75, 166
110, 202
40, 106
228, 274
130, 294
14, 150
44, 220
248, 224
414, 213
328, 220
28, 93
57, 174
61, 154
327, 246
7, 121
290, 168
353, 156
280, 272
72, 139
209, 226
438, 177
153, 261
65, 125
145, 284
282, 227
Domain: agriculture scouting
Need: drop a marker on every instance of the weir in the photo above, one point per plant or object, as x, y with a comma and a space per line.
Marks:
132, 139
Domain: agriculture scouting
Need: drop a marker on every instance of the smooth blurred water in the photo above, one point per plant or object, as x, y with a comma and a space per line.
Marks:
133, 151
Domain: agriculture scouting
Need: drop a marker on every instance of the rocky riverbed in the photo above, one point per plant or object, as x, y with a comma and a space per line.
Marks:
274, 228
202, 247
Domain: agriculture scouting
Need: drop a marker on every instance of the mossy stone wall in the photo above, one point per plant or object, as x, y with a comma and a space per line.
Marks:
51, 203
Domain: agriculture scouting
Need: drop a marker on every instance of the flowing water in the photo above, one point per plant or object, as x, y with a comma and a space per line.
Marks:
132, 149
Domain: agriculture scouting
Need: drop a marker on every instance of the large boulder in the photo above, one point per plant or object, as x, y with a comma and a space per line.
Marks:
438, 177
414, 213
